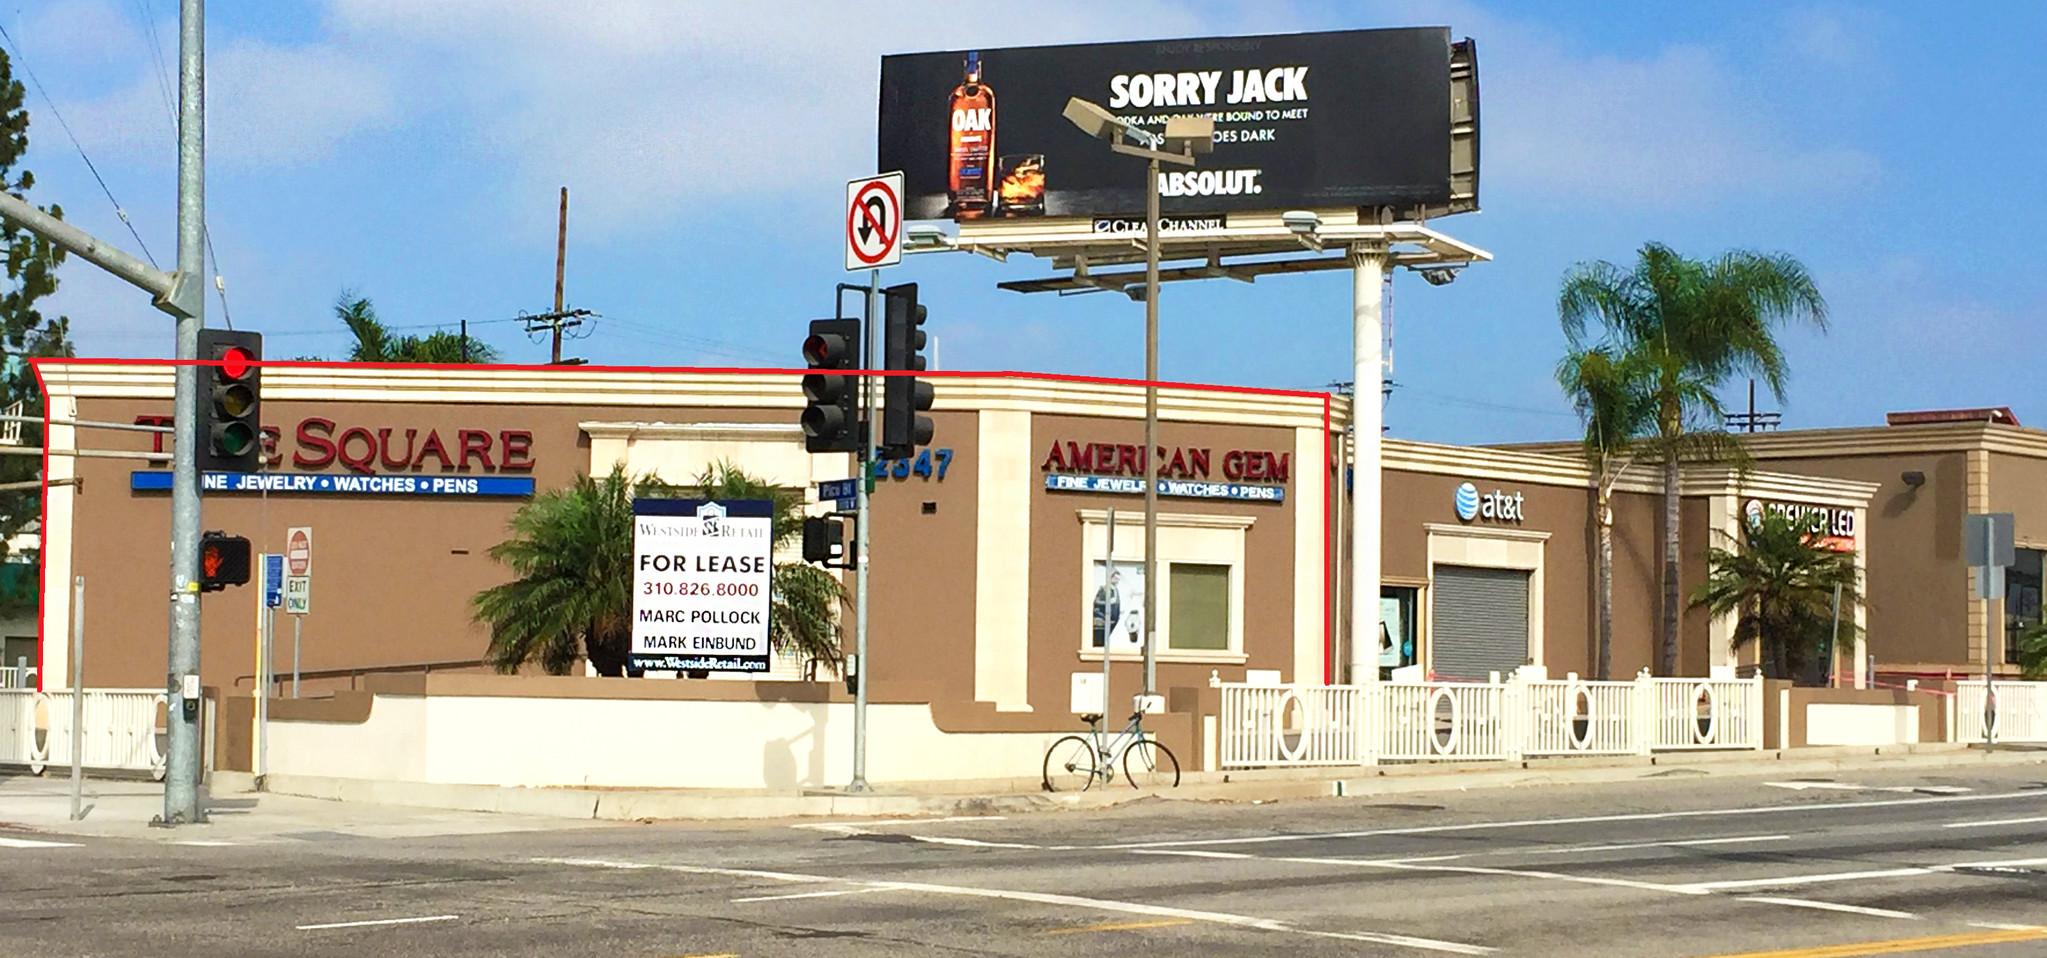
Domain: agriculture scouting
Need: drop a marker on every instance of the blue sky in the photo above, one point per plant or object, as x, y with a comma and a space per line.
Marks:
413, 151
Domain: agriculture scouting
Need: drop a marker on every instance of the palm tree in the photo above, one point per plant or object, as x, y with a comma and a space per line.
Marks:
1781, 581
571, 549
1612, 398
1689, 326
374, 343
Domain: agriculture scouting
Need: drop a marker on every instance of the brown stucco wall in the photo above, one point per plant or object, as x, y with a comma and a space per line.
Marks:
1918, 587
404, 568
921, 624
1057, 605
1570, 573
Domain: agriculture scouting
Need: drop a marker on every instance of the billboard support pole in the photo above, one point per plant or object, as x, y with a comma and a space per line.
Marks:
1368, 273
1151, 434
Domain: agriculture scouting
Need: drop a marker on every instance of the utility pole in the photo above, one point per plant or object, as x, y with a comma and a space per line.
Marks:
561, 265
181, 294
559, 319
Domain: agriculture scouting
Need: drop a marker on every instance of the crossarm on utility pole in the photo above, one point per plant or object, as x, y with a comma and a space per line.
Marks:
169, 291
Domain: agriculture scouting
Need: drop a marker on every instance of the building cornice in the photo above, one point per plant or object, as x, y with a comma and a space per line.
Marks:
1870, 441
769, 390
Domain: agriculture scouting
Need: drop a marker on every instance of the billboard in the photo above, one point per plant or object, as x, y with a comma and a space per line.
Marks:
1357, 118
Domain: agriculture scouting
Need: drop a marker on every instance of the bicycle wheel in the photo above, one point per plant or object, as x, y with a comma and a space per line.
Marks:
1070, 765
1150, 764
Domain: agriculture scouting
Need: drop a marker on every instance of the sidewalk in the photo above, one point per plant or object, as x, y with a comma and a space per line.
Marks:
121, 808
1021, 795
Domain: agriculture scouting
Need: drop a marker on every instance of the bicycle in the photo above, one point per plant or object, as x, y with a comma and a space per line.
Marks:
1073, 763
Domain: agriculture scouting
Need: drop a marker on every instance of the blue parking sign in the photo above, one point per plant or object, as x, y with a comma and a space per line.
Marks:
273, 580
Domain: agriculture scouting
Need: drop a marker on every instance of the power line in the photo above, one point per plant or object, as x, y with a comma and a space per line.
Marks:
118, 211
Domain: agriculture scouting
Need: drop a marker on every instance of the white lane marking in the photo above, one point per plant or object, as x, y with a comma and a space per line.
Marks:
1827, 877
201, 843
2002, 926
1687, 843
1044, 898
1851, 787
810, 894
1509, 872
1819, 879
380, 921
1831, 906
1829, 807
1417, 864
1996, 822
970, 842
32, 843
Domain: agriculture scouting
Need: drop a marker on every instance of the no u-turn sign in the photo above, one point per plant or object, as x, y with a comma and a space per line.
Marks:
874, 221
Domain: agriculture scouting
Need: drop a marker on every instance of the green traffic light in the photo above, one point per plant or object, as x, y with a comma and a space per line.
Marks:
236, 438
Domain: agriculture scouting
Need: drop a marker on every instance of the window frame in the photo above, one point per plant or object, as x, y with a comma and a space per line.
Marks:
1184, 538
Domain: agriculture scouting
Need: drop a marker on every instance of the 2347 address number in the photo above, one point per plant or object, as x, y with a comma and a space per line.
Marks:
928, 464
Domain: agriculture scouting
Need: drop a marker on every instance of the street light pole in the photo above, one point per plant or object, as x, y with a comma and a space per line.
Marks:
1184, 137
1151, 429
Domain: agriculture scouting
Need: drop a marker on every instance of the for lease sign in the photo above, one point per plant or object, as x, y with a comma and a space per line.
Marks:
701, 584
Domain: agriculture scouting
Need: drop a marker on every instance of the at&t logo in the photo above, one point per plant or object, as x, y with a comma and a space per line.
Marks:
1496, 505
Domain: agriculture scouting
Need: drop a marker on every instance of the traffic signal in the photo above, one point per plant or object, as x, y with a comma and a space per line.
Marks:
903, 397
823, 540
223, 561
230, 401
831, 414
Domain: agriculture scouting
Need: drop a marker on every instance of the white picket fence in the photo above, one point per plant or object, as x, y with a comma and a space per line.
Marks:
121, 727
1282, 725
17, 677
2021, 714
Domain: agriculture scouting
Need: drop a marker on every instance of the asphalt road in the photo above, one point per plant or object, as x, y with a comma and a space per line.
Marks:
1951, 864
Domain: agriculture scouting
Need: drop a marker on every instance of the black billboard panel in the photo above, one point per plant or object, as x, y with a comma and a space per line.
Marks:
1358, 118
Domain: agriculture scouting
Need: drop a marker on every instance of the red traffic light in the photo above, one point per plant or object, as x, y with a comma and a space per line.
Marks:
235, 362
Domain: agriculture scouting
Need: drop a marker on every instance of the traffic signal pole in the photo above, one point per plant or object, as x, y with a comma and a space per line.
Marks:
181, 769
864, 477
180, 294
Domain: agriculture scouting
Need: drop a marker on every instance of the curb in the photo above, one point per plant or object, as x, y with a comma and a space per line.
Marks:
1260, 785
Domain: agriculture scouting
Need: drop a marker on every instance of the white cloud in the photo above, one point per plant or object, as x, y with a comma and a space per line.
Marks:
1675, 129
267, 106
644, 107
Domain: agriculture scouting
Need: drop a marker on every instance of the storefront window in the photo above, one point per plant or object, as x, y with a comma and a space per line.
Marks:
2021, 598
1396, 628
1199, 616
1117, 611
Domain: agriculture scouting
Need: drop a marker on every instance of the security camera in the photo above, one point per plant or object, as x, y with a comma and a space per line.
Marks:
1441, 275
1301, 222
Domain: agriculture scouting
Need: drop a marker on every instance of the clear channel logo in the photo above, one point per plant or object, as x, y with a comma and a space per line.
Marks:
1467, 502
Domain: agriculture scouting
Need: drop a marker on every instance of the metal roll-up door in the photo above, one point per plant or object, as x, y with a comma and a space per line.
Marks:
1480, 622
